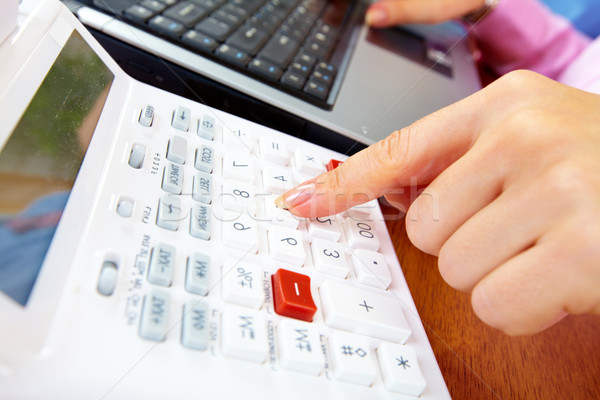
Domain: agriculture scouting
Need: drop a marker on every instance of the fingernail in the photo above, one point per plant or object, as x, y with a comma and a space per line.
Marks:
296, 196
375, 16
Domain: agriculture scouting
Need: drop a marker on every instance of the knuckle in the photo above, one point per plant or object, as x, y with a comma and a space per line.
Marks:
454, 266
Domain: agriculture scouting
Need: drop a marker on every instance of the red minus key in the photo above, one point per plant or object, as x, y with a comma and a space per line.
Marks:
291, 295
333, 164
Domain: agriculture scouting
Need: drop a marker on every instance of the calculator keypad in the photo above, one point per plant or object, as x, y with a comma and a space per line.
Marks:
260, 278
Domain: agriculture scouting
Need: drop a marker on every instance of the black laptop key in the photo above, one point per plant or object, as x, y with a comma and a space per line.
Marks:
114, 6
153, 5
199, 41
248, 39
232, 55
139, 14
167, 26
266, 69
293, 80
187, 13
214, 28
316, 89
280, 50
229, 18
208, 5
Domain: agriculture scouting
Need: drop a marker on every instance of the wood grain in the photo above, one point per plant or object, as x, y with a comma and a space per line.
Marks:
479, 362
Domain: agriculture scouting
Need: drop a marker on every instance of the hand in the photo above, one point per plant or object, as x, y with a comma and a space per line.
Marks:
512, 203
395, 12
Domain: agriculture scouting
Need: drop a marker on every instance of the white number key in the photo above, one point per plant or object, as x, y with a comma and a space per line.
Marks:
360, 311
239, 167
275, 215
329, 257
238, 196
325, 227
240, 232
241, 284
400, 370
277, 180
360, 234
286, 245
244, 334
371, 268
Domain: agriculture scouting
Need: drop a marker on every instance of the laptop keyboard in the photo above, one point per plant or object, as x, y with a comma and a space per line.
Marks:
289, 44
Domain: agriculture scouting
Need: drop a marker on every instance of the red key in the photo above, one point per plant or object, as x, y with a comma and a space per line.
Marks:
291, 295
333, 164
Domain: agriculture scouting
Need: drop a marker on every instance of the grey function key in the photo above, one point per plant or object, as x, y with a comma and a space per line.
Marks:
172, 181
162, 264
194, 329
169, 212
205, 159
154, 319
197, 274
202, 188
200, 222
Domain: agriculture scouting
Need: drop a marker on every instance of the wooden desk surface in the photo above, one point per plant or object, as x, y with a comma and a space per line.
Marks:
481, 363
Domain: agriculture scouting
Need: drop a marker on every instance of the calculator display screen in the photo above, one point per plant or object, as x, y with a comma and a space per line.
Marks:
41, 159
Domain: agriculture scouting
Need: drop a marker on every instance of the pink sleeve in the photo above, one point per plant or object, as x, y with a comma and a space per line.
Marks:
524, 34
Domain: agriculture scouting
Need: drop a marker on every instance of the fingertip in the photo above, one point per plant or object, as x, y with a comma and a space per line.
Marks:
376, 16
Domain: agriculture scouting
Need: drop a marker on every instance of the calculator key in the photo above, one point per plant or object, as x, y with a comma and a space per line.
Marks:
277, 180
177, 149
197, 274
286, 245
125, 207
371, 268
205, 159
239, 167
240, 232
146, 116
329, 257
154, 319
300, 347
172, 181
136, 156
292, 295
239, 139
275, 215
181, 119
200, 221
207, 127
352, 358
325, 228
400, 369
244, 334
202, 188
308, 162
360, 311
194, 325
169, 212
107, 280
241, 284
275, 150
238, 196
360, 234
333, 164
162, 265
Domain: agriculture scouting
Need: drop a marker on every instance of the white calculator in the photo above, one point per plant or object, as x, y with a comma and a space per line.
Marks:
142, 255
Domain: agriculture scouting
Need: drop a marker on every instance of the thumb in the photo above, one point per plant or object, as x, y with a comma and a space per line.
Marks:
412, 156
